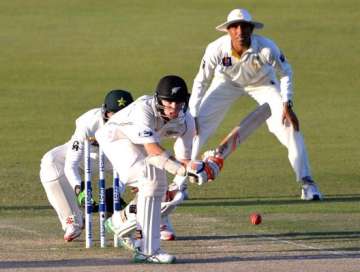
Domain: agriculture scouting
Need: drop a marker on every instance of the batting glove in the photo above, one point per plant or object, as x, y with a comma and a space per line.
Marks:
201, 172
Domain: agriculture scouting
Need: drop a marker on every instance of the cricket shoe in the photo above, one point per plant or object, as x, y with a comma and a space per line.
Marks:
167, 232
160, 257
72, 230
309, 190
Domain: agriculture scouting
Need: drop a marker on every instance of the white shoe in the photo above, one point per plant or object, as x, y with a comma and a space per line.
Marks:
73, 230
167, 232
160, 257
309, 190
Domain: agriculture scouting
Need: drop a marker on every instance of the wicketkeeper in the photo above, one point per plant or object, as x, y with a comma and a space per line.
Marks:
60, 169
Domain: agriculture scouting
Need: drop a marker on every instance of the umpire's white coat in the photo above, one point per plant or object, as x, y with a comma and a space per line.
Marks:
224, 76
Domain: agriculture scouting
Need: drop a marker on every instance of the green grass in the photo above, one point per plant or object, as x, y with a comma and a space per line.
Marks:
59, 58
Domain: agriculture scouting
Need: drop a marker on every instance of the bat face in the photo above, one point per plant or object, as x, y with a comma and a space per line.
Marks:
247, 126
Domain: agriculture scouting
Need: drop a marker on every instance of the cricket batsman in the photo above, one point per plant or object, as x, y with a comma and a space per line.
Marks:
132, 142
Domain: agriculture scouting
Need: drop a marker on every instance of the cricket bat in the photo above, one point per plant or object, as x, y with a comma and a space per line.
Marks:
247, 126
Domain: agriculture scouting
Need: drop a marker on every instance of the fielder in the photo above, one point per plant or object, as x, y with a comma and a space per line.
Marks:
131, 141
60, 167
242, 63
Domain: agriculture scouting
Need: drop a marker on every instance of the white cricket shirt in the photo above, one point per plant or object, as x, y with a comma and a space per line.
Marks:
86, 126
256, 67
141, 123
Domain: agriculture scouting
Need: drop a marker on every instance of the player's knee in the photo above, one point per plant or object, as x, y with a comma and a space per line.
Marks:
149, 187
48, 158
50, 171
153, 181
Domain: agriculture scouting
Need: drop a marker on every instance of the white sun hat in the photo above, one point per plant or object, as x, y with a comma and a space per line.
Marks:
238, 15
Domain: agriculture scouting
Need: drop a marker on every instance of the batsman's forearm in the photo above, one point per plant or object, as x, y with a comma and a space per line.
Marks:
168, 163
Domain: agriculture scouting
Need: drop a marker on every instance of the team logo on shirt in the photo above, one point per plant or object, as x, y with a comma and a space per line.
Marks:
75, 145
146, 133
226, 61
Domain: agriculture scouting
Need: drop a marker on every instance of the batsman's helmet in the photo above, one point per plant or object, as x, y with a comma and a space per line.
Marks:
172, 88
116, 100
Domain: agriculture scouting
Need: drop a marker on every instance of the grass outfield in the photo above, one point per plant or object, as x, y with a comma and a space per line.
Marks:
59, 58
218, 241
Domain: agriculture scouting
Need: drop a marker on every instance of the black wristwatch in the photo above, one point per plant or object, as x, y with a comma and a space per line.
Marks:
289, 104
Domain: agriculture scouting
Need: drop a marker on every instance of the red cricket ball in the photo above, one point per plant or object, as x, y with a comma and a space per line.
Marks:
255, 218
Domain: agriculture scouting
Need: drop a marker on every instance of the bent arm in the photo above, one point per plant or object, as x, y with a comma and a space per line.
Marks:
74, 156
202, 80
160, 158
278, 60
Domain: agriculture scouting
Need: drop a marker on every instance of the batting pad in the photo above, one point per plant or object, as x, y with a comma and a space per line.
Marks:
148, 219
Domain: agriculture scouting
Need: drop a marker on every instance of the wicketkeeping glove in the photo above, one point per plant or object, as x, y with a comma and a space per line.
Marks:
80, 196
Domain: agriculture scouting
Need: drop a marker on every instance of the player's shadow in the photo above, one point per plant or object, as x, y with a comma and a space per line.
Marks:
290, 236
27, 207
199, 202
271, 257
126, 263
265, 200
259, 254
91, 262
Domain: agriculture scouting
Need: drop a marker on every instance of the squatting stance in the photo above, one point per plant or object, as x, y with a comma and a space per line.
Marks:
60, 167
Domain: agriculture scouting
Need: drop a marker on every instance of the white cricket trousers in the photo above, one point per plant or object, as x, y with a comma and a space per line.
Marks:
57, 187
218, 100
129, 160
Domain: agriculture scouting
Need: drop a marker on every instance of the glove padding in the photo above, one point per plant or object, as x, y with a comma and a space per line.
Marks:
215, 160
214, 157
201, 172
196, 172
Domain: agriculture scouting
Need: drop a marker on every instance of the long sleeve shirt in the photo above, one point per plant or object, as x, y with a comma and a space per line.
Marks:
261, 63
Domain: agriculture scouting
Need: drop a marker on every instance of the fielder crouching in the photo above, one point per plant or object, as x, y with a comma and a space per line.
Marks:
60, 167
131, 141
